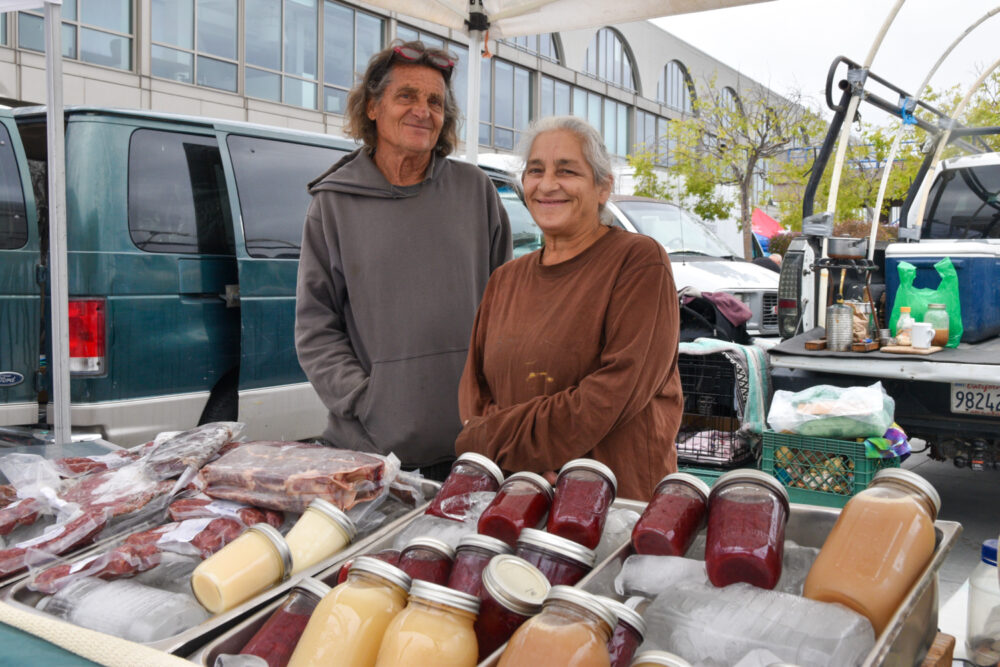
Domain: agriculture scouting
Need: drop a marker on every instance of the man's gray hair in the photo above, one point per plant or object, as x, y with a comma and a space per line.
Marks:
591, 142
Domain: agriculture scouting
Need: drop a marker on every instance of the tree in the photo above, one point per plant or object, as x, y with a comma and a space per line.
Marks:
728, 141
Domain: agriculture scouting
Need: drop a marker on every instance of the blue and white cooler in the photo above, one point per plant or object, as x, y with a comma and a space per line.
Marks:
977, 263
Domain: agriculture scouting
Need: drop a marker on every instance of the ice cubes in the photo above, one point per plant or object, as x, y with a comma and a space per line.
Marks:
717, 627
125, 609
795, 566
448, 531
617, 531
649, 576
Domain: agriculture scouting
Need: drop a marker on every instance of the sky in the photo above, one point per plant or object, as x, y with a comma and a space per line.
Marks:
789, 45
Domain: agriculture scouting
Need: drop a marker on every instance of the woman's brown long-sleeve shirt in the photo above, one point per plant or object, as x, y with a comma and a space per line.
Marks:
578, 359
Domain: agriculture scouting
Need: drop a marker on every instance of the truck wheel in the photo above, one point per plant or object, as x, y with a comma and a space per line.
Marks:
224, 403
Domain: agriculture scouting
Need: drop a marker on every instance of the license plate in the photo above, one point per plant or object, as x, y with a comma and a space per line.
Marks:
973, 398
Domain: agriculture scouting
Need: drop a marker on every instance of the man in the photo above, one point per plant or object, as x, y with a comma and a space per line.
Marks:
397, 248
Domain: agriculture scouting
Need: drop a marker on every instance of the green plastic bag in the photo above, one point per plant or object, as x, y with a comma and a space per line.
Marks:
917, 298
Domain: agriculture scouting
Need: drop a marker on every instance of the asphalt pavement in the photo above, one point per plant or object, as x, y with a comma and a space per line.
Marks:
970, 498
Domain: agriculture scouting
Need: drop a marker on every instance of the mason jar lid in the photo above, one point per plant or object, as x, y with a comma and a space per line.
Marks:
485, 542
661, 658
449, 597
912, 480
583, 600
537, 480
557, 545
314, 586
595, 466
516, 584
483, 462
277, 541
335, 514
380, 568
625, 615
937, 306
433, 544
753, 476
687, 478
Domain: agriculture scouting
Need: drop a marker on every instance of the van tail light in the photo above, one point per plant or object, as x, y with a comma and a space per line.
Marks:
790, 294
86, 336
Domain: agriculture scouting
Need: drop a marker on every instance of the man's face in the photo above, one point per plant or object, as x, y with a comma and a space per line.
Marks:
409, 116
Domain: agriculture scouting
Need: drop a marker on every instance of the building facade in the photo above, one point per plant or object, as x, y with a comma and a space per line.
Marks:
290, 63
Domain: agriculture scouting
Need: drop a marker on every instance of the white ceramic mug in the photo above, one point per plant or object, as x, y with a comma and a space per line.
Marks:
921, 335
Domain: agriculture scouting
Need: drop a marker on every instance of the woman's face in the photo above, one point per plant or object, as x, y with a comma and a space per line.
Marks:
559, 186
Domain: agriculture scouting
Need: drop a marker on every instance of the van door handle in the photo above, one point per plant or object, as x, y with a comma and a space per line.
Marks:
232, 296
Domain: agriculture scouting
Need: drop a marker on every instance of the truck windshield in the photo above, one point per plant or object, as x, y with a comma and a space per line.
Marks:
677, 230
964, 204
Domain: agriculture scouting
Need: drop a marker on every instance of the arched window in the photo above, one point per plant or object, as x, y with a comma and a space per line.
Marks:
544, 46
609, 59
729, 99
676, 89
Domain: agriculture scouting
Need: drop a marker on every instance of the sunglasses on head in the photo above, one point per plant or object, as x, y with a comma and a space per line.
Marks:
413, 55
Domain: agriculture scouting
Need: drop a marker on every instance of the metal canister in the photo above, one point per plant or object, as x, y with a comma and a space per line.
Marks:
839, 327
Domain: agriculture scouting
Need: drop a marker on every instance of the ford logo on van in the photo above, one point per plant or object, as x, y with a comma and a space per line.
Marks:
10, 378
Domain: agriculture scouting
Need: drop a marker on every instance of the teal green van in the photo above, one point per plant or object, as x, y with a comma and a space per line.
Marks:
183, 237
183, 244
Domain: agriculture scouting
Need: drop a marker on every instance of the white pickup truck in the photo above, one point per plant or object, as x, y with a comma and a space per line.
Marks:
950, 398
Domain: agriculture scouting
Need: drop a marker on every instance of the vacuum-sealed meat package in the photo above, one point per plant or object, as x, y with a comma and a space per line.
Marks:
289, 475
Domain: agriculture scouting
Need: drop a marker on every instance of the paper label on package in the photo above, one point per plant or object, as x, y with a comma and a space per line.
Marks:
184, 532
79, 565
225, 508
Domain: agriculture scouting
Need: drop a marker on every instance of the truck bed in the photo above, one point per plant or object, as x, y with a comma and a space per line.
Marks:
969, 362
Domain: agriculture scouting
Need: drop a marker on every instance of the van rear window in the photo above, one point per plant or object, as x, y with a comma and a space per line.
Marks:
177, 197
13, 221
271, 180
964, 204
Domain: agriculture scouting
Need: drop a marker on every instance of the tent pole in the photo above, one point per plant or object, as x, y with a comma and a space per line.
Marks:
477, 24
59, 291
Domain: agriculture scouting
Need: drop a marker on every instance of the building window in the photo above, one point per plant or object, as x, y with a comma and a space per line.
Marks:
194, 41
555, 97
3, 30
608, 116
505, 103
281, 51
94, 31
543, 46
676, 89
608, 59
350, 39
729, 99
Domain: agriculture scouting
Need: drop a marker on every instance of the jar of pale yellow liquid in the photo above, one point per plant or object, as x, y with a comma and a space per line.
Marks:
321, 531
347, 626
435, 630
883, 539
250, 564
571, 631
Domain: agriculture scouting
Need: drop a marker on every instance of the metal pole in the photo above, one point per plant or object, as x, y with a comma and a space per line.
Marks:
58, 282
478, 23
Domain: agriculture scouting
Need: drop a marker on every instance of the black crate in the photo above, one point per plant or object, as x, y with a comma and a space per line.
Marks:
709, 433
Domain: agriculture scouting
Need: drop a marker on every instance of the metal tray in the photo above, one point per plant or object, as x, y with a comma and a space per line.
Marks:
910, 632
19, 595
236, 638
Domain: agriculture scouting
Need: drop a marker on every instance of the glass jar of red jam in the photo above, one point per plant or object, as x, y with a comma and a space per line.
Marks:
585, 490
513, 591
390, 556
276, 639
562, 561
471, 557
627, 634
673, 517
470, 473
427, 558
747, 513
521, 502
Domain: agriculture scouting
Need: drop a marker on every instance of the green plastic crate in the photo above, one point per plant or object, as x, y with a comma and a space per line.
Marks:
820, 471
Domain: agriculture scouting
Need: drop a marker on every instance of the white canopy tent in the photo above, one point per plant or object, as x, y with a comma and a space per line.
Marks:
512, 18
503, 18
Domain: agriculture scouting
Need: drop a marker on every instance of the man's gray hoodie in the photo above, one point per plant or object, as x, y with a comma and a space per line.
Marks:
389, 281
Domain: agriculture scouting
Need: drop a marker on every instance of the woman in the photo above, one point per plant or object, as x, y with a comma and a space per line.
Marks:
574, 346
